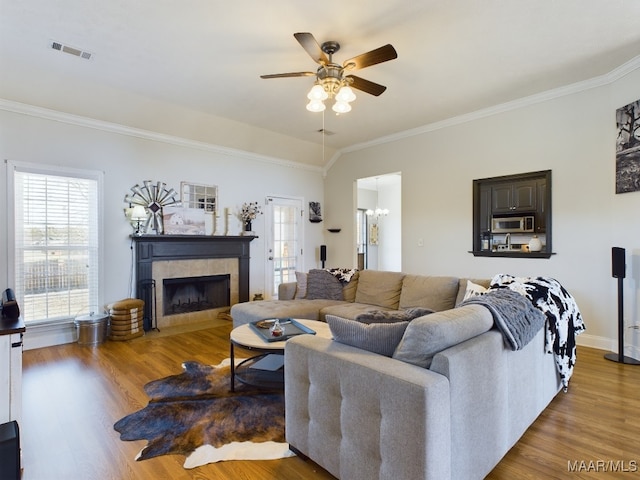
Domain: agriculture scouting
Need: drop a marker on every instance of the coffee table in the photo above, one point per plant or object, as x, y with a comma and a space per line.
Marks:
247, 338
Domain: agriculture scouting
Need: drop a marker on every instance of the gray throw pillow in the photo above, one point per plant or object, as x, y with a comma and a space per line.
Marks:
386, 316
381, 338
323, 285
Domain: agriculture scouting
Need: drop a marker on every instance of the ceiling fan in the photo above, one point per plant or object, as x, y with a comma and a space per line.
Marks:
331, 78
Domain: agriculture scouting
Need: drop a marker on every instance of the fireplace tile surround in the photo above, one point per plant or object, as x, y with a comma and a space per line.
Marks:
172, 256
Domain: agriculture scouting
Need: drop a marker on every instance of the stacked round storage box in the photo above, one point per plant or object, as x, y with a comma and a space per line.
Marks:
126, 319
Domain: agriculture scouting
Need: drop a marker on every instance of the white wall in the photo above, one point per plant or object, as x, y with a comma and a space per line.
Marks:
574, 136
127, 159
390, 226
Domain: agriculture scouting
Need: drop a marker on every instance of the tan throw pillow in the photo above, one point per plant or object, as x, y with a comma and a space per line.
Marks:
381, 338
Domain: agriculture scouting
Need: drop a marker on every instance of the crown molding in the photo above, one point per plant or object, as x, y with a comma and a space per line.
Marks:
78, 120
573, 88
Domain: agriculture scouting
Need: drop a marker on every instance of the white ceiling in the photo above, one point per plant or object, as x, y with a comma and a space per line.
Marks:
454, 56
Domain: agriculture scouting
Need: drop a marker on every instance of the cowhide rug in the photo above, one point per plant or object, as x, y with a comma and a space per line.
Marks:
195, 414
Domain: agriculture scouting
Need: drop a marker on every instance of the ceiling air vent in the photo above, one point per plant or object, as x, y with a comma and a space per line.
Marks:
71, 50
328, 133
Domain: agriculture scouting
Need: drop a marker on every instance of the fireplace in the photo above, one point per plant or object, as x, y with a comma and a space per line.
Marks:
166, 259
195, 294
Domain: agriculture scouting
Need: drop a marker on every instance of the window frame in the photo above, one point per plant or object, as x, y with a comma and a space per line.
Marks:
42, 169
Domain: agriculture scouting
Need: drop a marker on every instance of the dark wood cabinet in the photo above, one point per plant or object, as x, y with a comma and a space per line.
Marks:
485, 208
514, 197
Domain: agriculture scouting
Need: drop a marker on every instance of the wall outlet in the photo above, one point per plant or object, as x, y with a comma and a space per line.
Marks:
421, 242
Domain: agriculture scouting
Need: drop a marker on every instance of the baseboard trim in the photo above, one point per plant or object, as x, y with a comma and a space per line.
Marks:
48, 335
608, 344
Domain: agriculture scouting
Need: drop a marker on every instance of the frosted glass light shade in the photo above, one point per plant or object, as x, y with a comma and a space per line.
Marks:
341, 107
345, 94
317, 93
316, 106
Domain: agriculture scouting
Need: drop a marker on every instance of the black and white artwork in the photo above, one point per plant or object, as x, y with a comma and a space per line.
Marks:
628, 148
315, 214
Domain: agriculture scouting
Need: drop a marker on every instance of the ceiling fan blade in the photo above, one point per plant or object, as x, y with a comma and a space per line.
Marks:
366, 86
312, 47
285, 75
379, 55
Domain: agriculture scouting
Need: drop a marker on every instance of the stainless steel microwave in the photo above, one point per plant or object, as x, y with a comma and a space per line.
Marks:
523, 224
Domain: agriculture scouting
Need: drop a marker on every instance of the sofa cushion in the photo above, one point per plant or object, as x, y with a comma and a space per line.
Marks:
426, 336
349, 289
380, 288
321, 284
301, 285
462, 287
436, 293
392, 316
381, 338
248, 312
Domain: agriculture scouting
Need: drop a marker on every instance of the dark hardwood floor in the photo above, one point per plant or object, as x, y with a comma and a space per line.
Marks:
74, 394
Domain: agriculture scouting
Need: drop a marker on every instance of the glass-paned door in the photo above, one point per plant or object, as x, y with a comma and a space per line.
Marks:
284, 242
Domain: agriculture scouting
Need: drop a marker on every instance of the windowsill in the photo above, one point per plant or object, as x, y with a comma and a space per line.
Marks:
48, 323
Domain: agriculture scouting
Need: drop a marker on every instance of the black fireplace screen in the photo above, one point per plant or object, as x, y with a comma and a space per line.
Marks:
193, 294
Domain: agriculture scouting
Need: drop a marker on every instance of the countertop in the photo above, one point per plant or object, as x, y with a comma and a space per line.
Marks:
11, 325
511, 253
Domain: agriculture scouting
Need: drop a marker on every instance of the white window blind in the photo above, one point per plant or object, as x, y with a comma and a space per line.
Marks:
56, 244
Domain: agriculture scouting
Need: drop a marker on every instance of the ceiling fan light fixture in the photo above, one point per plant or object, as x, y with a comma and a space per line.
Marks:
316, 106
331, 81
341, 107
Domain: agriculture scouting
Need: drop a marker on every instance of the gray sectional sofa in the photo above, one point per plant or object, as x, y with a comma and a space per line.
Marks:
448, 404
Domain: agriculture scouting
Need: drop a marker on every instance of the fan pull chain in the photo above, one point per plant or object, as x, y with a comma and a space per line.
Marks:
323, 135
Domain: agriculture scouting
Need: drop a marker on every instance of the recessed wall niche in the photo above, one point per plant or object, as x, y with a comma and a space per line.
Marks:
512, 216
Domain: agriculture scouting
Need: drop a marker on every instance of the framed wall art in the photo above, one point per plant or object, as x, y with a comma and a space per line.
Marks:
628, 148
315, 212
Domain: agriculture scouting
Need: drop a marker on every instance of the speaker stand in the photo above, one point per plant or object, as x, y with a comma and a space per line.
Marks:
620, 357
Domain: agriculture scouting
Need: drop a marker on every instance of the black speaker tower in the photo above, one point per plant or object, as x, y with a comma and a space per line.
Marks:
323, 254
618, 270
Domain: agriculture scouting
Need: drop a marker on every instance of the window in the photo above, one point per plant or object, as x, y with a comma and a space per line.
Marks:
56, 248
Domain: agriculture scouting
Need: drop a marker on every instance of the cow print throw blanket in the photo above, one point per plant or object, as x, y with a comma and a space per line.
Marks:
195, 414
563, 318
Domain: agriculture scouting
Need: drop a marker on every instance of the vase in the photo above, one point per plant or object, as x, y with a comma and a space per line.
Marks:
535, 245
247, 229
